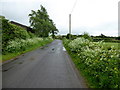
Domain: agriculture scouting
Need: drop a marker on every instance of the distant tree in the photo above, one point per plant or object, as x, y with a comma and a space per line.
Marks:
41, 23
87, 36
69, 36
118, 38
102, 35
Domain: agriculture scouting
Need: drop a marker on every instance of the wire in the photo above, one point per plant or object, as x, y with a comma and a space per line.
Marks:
74, 6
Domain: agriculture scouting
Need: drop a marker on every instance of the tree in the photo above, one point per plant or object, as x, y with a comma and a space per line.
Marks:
87, 36
41, 23
69, 36
102, 35
54, 30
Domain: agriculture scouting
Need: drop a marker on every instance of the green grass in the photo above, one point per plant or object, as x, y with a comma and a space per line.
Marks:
109, 44
9, 56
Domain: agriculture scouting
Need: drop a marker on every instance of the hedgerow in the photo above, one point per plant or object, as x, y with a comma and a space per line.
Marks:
99, 63
22, 45
12, 32
16, 39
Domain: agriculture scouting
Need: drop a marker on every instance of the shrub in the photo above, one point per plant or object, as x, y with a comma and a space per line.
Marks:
11, 32
87, 36
18, 45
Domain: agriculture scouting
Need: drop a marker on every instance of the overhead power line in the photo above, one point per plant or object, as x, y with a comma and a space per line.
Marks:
74, 6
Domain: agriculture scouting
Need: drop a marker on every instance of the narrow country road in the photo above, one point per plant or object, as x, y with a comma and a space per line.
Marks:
47, 67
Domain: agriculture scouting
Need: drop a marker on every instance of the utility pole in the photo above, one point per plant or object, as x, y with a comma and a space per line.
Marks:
69, 23
70, 36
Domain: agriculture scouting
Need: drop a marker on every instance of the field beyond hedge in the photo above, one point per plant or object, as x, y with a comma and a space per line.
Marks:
97, 61
109, 44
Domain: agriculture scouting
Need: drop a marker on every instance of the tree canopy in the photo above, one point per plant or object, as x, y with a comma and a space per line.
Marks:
41, 23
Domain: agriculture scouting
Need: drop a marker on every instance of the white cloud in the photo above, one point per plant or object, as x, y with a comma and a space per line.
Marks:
93, 15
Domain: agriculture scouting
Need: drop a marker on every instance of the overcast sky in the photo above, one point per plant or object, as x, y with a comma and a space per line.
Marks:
92, 16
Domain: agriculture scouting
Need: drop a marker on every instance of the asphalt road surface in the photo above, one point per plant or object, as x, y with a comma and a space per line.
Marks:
47, 67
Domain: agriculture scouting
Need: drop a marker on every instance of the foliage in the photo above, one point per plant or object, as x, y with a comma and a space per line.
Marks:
87, 36
118, 38
94, 38
12, 54
12, 32
41, 23
102, 36
98, 62
16, 39
31, 35
70, 36
18, 45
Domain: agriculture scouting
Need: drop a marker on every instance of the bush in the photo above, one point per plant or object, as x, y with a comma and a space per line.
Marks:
31, 35
18, 45
11, 32
87, 36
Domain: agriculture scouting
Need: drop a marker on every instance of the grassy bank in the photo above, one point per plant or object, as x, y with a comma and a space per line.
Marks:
27, 48
97, 62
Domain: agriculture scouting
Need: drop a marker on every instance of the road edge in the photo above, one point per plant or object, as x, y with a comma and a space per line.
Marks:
78, 73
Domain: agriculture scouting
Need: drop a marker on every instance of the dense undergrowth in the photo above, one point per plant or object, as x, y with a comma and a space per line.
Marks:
18, 47
22, 45
100, 65
17, 40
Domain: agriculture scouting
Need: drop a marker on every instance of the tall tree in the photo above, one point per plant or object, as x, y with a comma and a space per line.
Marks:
41, 23
54, 30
